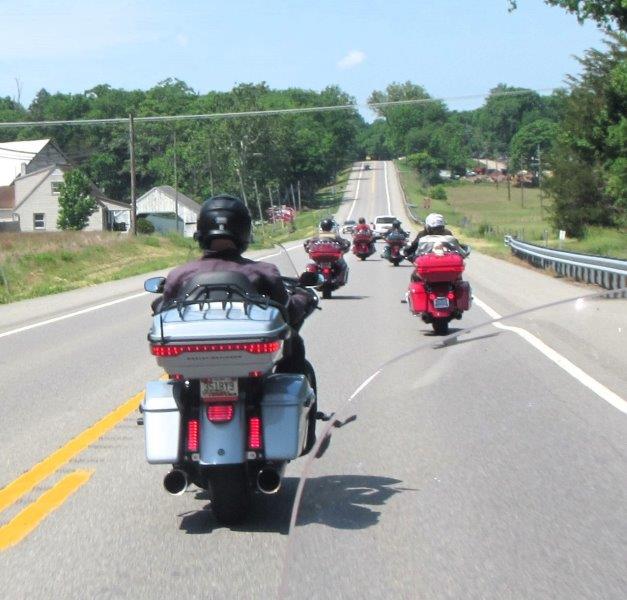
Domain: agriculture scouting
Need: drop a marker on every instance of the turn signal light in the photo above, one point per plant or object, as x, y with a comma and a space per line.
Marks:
178, 349
192, 435
451, 295
220, 413
254, 433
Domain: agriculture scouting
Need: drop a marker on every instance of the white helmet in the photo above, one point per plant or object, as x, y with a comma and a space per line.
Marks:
434, 220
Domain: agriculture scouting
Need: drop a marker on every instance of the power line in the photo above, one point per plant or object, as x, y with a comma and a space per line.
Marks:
264, 113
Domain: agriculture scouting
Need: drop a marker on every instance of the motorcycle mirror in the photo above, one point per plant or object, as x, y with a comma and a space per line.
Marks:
308, 279
154, 285
466, 249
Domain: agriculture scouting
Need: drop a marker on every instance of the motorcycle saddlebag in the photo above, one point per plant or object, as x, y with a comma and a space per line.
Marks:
463, 295
162, 422
417, 297
287, 400
435, 268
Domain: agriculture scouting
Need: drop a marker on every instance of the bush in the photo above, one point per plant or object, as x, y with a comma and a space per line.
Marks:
438, 192
145, 226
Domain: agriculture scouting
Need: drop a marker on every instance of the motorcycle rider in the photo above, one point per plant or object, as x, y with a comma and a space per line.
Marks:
223, 232
364, 228
434, 225
396, 231
325, 234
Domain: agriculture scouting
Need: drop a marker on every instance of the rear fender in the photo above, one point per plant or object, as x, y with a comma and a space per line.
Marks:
223, 443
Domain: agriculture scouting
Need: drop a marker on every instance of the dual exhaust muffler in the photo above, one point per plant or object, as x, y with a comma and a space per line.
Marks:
269, 481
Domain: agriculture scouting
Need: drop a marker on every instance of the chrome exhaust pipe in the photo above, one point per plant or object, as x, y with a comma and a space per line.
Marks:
269, 480
176, 482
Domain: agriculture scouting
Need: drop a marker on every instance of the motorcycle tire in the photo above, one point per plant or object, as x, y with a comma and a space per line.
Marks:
326, 293
362, 257
311, 426
395, 262
230, 493
440, 326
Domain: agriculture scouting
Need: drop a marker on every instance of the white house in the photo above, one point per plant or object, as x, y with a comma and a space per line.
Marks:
37, 203
30, 174
161, 201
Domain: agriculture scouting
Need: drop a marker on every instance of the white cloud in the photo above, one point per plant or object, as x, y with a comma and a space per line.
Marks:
182, 40
352, 59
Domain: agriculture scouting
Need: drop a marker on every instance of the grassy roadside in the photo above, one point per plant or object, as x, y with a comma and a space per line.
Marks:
37, 264
482, 214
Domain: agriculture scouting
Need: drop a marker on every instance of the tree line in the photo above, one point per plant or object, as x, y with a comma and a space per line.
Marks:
580, 134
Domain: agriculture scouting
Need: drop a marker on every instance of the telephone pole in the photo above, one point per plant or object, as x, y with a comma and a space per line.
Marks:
176, 188
131, 136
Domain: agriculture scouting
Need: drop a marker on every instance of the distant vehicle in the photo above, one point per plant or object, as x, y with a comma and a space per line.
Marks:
348, 226
383, 223
366, 167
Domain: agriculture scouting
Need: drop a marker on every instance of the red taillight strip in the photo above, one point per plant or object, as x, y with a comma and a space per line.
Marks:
192, 435
254, 433
220, 413
178, 349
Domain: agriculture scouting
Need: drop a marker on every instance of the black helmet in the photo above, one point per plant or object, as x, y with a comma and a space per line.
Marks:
326, 225
362, 221
396, 224
223, 216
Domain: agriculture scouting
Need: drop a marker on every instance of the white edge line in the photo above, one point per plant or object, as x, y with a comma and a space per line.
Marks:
387, 188
99, 306
573, 370
350, 213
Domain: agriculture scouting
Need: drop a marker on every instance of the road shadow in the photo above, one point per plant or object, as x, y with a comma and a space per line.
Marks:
456, 342
338, 501
346, 297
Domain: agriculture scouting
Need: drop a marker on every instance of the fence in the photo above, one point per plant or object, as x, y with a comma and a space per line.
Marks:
609, 273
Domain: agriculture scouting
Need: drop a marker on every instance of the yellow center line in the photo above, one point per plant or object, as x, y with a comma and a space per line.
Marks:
26, 482
29, 518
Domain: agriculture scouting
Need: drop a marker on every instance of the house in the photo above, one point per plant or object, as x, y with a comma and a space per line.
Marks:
30, 175
159, 206
37, 203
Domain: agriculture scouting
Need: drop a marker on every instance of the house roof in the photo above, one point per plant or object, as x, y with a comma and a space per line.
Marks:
13, 154
169, 191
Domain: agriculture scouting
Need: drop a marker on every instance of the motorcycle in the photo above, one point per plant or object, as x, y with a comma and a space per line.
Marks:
395, 241
363, 244
325, 256
436, 291
223, 418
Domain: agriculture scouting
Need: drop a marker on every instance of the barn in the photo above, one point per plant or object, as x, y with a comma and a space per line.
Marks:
159, 206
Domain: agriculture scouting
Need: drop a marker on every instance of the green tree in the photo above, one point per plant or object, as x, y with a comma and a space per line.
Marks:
606, 13
538, 134
588, 183
76, 204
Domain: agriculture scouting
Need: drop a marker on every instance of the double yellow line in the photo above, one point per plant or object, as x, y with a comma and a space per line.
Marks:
29, 518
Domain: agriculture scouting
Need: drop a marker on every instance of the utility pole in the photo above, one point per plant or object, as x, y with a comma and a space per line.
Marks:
131, 136
293, 197
176, 188
210, 166
300, 204
263, 231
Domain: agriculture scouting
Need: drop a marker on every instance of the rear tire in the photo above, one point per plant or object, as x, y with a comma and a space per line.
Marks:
362, 257
311, 423
326, 293
440, 326
230, 493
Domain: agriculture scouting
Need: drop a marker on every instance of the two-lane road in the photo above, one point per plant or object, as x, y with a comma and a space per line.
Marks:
483, 469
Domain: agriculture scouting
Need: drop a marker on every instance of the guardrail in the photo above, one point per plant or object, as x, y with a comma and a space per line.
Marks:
409, 208
609, 273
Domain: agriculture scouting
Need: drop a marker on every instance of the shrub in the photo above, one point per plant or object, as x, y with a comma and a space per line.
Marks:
145, 226
438, 192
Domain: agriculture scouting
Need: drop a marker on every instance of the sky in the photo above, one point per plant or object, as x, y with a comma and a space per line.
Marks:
454, 48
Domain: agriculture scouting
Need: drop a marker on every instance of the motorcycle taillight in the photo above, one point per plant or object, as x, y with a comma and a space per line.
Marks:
192, 435
254, 433
220, 413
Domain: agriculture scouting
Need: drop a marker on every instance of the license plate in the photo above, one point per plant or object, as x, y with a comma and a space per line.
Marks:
440, 303
219, 389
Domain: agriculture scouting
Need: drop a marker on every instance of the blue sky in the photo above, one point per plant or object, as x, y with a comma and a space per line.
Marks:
451, 47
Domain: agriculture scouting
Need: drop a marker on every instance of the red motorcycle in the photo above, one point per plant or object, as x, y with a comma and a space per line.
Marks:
436, 290
327, 263
363, 244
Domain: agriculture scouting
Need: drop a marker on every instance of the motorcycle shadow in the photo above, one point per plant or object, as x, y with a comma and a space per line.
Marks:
338, 501
347, 297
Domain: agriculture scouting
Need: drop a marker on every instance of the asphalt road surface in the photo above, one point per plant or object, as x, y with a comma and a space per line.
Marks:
492, 466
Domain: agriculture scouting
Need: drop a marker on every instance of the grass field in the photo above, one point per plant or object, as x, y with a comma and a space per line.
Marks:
41, 263
484, 213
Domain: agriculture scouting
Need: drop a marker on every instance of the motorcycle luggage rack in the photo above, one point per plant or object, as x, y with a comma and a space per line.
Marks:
220, 287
